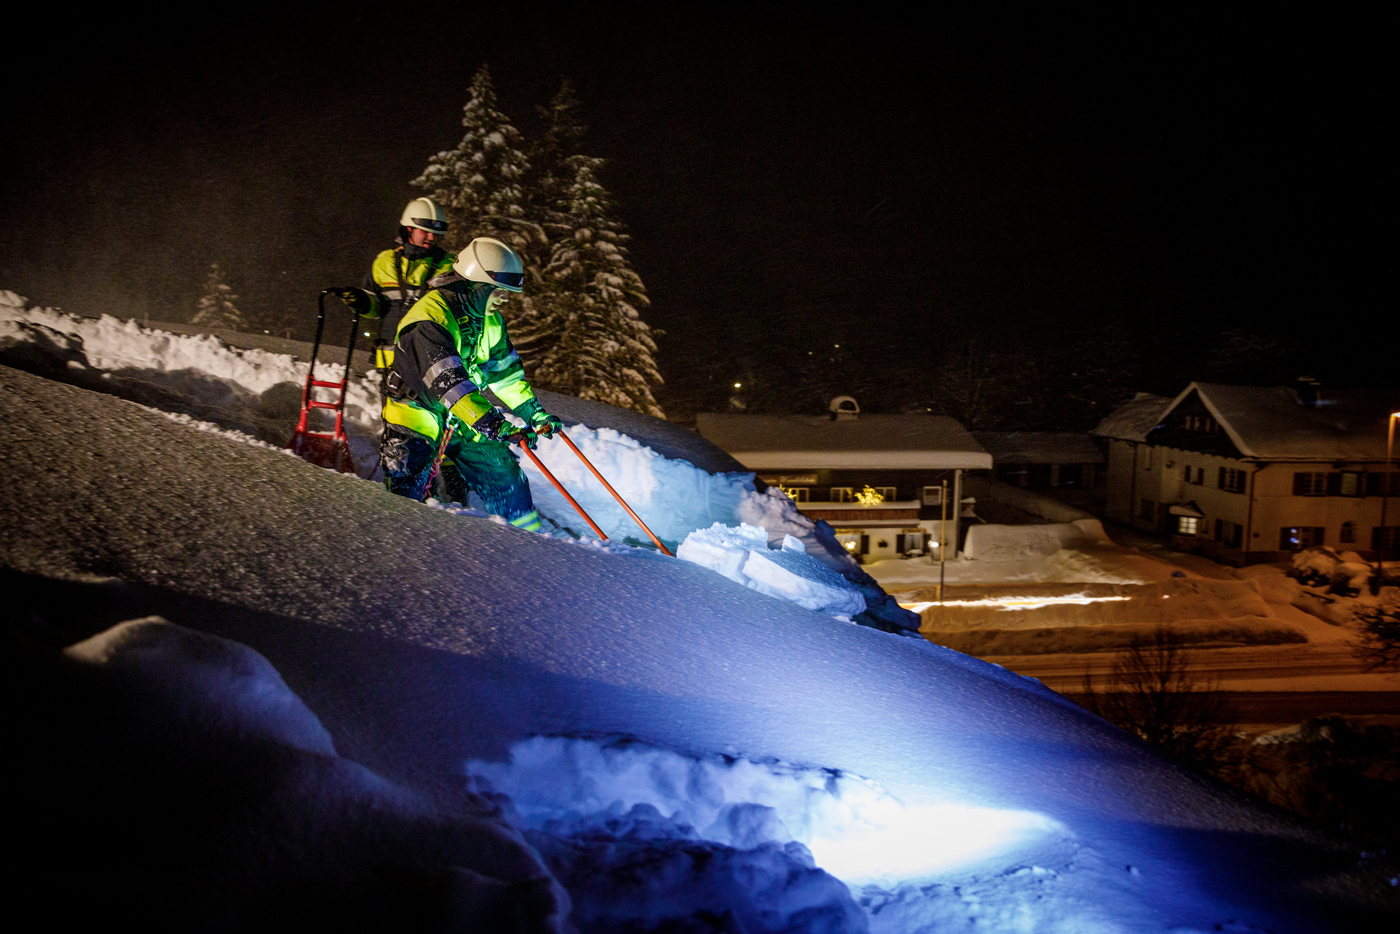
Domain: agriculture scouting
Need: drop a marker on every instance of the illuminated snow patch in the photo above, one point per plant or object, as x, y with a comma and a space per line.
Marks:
892, 842
1016, 603
854, 829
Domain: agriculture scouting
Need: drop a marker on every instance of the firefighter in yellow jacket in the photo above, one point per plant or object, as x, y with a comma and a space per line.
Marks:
450, 346
400, 276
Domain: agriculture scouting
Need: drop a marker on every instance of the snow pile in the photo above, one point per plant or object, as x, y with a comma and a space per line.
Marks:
194, 674
742, 554
253, 391
1345, 573
852, 827
1013, 542
631, 874
1066, 552
673, 497
174, 749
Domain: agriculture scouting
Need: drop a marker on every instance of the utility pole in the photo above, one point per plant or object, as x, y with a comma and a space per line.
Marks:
942, 536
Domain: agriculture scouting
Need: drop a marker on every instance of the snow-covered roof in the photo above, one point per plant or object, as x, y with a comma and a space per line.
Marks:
820, 759
1039, 447
1132, 420
1271, 423
917, 442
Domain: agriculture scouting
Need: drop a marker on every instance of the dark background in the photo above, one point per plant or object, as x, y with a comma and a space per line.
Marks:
792, 181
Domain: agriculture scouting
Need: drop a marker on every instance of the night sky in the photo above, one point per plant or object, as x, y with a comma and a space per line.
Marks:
789, 181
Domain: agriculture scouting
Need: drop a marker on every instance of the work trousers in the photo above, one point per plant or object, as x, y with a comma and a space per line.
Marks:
484, 467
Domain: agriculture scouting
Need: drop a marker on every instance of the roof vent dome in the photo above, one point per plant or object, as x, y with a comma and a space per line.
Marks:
843, 407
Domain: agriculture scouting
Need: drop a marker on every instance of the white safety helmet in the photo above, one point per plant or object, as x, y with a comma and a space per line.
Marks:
424, 214
488, 260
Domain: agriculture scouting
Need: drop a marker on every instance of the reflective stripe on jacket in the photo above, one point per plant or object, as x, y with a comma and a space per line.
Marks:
447, 350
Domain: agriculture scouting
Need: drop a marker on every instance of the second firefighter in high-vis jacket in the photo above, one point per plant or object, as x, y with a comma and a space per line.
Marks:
450, 346
400, 276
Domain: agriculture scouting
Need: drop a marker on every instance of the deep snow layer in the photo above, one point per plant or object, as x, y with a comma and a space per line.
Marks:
677, 481
424, 640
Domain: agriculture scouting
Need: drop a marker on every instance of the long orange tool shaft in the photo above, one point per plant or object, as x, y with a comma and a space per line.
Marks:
560, 487
638, 519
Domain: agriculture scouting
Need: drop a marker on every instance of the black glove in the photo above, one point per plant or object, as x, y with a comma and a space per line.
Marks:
357, 300
494, 426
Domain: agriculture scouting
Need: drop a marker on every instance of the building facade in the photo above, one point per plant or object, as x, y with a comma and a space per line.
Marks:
889, 485
1252, 474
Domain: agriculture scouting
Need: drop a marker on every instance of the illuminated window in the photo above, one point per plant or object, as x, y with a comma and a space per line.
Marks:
843, 494
853, 540
1186, 525
796, 493
933, 495
1298, 537
1349, 483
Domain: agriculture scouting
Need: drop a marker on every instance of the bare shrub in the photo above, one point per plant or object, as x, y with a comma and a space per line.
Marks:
1153, 695
1379, 645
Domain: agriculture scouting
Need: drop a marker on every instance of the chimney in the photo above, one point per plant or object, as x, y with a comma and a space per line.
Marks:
844, 408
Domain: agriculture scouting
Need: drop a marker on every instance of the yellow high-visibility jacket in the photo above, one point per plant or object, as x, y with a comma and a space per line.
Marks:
447, 350
395, 282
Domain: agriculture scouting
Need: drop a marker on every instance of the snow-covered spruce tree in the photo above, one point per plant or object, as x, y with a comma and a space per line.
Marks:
215, 308
482, 182
586, 337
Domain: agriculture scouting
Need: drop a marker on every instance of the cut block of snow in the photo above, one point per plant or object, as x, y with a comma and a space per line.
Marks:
805, 581
789, 573
723, 549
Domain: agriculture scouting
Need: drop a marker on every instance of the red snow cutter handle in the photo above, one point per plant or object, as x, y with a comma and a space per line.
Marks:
636, 518
560, 487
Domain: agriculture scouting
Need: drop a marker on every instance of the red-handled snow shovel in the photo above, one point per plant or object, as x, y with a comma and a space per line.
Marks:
325, 448
601, 479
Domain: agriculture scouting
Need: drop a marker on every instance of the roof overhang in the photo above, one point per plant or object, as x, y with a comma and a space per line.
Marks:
864, 460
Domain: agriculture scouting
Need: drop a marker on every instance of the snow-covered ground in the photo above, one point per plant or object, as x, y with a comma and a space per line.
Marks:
364, 711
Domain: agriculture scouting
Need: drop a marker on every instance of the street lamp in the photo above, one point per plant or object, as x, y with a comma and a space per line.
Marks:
1385, 498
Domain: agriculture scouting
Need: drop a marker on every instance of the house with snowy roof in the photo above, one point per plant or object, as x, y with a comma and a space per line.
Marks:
1252, 473
879, 480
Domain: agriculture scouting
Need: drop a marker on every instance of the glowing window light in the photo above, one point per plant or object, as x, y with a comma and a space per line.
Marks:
1017, 603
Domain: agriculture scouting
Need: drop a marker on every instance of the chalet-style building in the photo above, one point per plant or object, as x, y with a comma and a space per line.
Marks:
1249, 474
826, 463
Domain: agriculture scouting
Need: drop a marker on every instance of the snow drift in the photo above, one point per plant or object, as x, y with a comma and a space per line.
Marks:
677, 752
258, 392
